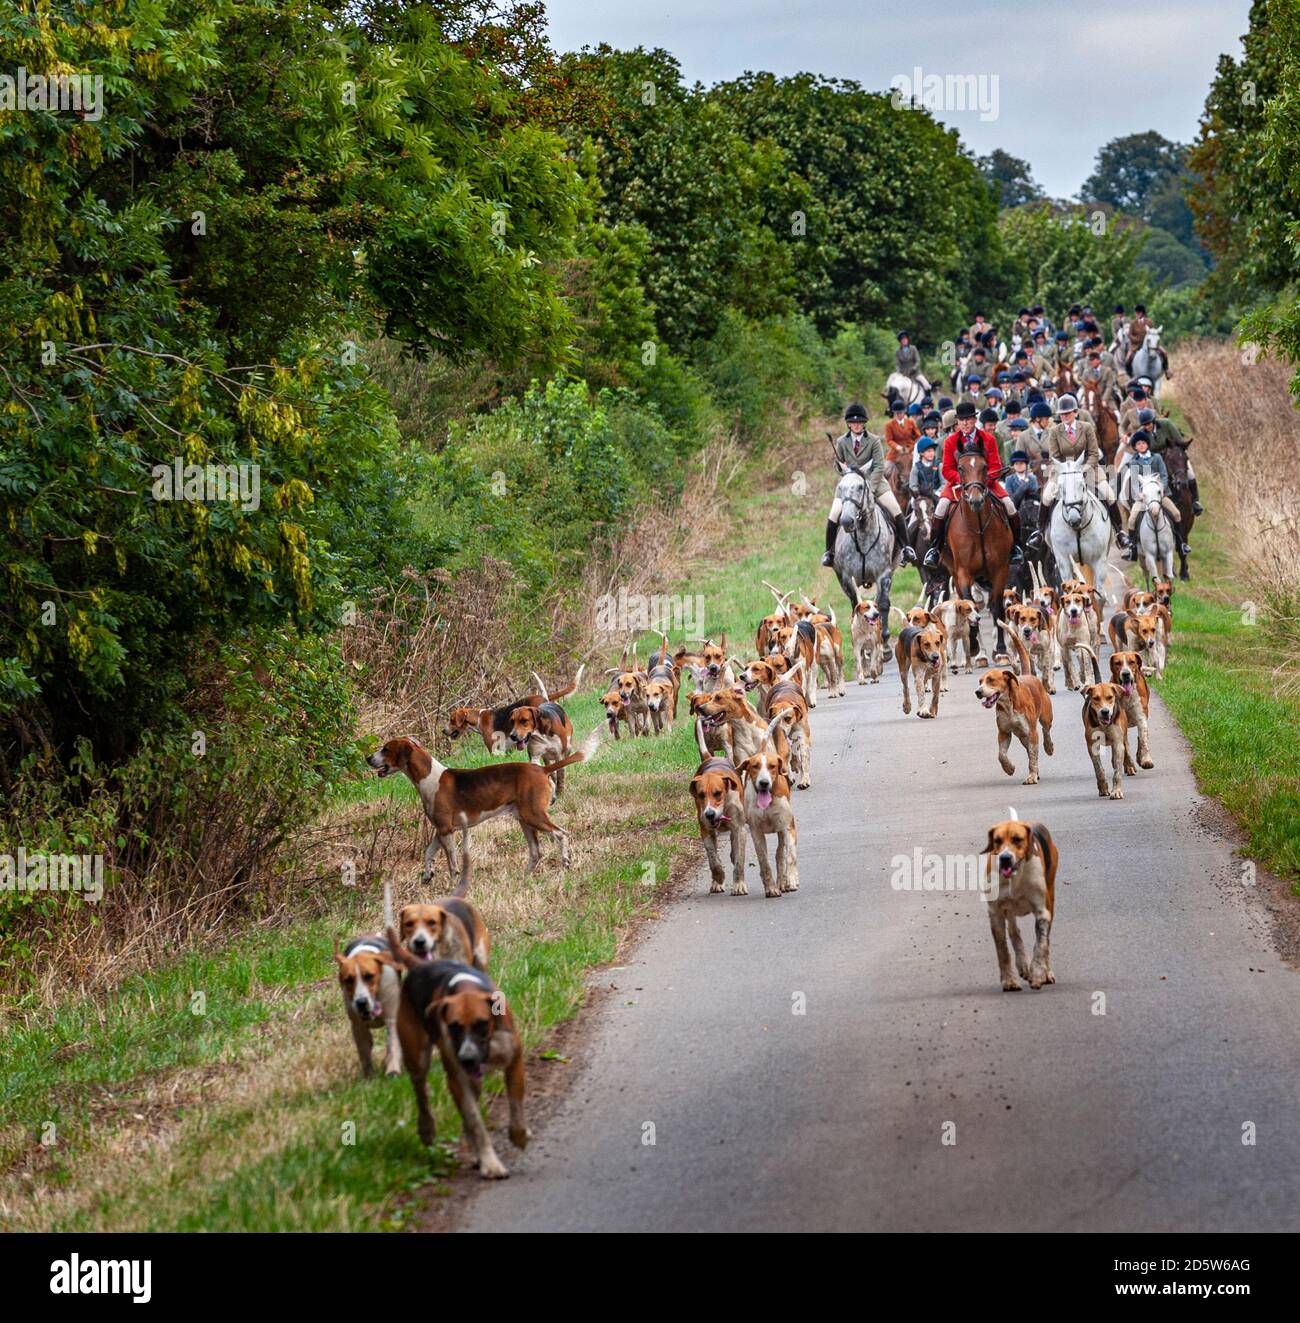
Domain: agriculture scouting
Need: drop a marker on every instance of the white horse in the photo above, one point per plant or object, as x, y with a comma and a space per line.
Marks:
1147, 361
1155, 533
1080, 528
911, 390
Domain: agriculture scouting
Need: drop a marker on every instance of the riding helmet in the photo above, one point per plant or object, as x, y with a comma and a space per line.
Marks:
1067, 404
1146, 416
898, 406
855, 413
944, 402
1017, 457
989, 416
1040, 409
1140, 435
926, 443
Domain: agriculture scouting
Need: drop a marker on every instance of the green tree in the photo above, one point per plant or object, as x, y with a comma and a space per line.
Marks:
1247, 201
1131, 170
900, 225
1010, 179
184, 276
673, 164
1063, 257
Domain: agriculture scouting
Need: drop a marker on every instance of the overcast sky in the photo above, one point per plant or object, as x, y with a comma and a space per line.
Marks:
1070, 76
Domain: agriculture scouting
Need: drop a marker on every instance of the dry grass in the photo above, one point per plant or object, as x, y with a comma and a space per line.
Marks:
1247, 431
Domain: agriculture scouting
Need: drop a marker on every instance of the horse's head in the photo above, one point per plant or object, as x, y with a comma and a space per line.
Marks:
973, 474
1152, 493
1176, 466
1152, 340
1074, 490
850, 491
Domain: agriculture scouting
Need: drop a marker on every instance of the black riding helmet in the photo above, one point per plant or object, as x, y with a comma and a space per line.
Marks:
989, 416
855, 413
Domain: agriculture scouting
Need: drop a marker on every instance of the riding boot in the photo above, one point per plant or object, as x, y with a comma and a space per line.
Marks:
831, 529
1045, 519
1197, 507
1017, 556
938, 535
1117, 523
900, 533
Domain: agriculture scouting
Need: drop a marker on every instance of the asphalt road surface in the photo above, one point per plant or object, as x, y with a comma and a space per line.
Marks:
1059, 1117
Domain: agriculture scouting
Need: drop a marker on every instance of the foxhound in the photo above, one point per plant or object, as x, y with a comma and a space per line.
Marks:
461, 1012
769, 812
1021, 873
1023, 710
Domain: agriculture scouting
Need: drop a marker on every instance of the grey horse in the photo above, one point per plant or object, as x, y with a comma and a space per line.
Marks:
1147, 361
864, 545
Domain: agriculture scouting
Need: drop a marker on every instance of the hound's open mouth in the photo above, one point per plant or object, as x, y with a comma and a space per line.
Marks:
989, 701
1127, 686
1005, 869
474, 1070
763, 798
710, 722
385, 770
750, 685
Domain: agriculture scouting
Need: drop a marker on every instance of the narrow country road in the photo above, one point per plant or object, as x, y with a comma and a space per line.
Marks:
1065, 1119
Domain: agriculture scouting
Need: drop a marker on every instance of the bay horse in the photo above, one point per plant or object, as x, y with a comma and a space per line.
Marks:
1180, 492
1066, 382
978, 546
1106, 423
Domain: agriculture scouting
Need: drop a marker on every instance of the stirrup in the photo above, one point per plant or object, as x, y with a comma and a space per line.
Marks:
932, 559
1017, 556
828, 559
908, 553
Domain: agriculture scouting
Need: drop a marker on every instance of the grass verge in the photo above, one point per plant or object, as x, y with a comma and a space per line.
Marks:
220, 1091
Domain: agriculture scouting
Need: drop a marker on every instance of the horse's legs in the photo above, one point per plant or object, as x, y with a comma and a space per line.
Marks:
882, 602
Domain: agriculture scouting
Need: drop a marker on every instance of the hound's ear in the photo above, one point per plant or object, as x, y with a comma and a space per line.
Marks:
338, 943
988, 845
695, 787
781, 767
1086, 692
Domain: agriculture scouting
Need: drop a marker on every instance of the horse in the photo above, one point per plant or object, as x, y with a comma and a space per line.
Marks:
1104, 418
921, 510
1149, 360
897, 473
1180, 492
1066, 383
1155, 533
911, 390
1080, 529
864, 554
1034, 552
979, 541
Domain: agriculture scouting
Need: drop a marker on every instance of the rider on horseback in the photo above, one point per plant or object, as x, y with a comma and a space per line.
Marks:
907, 359
1069, 438
1165, 433
1140, 464
859, 449
968, 439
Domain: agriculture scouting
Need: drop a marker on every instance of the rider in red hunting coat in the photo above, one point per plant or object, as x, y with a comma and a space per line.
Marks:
967, 439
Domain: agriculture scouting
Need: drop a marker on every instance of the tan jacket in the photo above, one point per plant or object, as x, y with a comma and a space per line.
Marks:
1060, 446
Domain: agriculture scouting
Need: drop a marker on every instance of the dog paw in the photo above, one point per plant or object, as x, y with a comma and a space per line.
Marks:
740, 889
1030, 780
789, 885
491, 1169
1010, 985
520, 1135
1117, 793
1146, 764
771, 892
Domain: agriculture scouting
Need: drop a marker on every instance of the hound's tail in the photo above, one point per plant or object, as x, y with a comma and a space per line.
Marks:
1096, 669
570, 689
403, 957
585, 754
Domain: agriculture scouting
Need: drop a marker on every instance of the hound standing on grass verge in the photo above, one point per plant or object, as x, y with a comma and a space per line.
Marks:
458, 798
1021, 874
464, 1014
371, 984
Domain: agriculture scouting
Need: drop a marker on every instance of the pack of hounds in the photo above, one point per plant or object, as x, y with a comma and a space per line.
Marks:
425, 978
